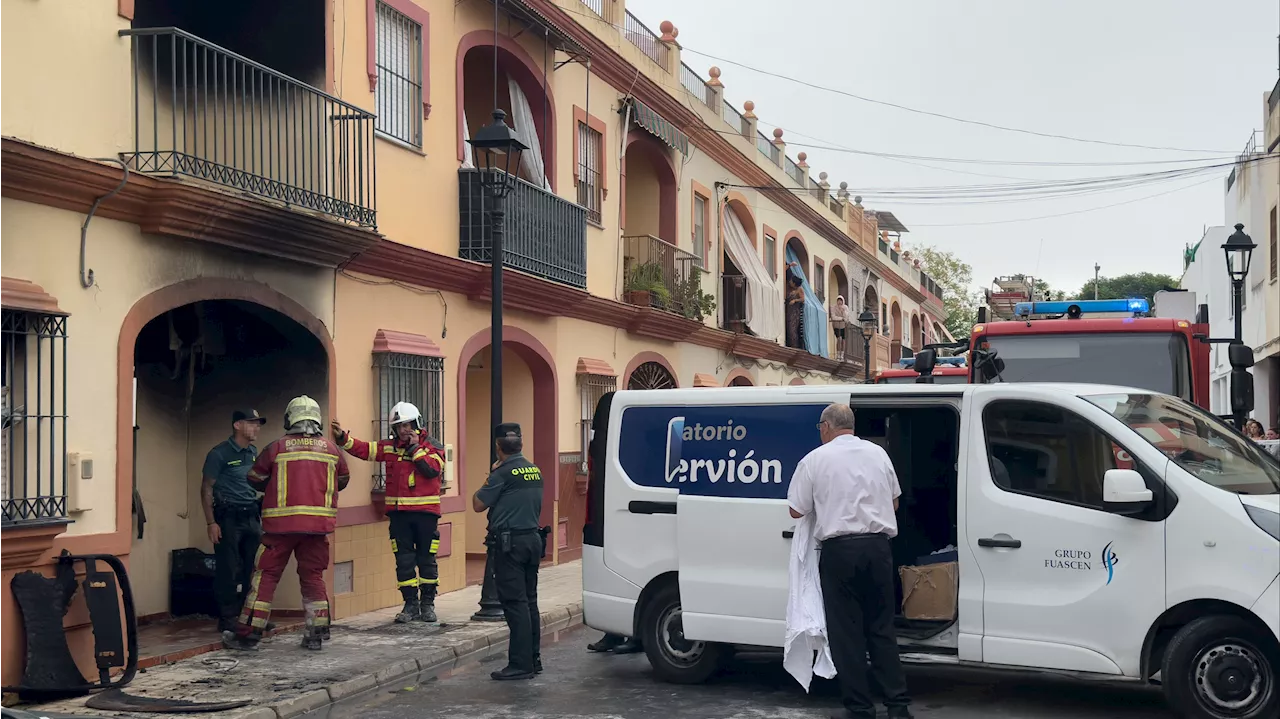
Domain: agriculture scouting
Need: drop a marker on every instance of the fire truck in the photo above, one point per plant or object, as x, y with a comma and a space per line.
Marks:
949, 370
1119, 341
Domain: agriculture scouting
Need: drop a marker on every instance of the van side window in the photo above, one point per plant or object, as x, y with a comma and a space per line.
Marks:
1049, 452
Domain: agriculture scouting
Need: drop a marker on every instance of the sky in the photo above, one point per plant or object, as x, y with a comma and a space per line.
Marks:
1178, 74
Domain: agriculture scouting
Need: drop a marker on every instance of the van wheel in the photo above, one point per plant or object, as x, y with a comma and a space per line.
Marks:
1218, 668
674, 658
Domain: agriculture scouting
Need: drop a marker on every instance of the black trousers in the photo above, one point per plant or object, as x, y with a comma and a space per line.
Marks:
234, 556
414, 541
515, 575
856, 573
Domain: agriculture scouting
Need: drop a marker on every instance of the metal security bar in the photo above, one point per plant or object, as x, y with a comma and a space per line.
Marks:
205, 112
680, 272
647, 40
590, 194
768, 149
591, 387
733, 300
546, 235
409, 378
35, 416
734, 119
399, 65
694, 83
596, 6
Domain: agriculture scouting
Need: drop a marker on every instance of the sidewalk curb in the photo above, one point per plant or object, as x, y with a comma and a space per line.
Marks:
466, 651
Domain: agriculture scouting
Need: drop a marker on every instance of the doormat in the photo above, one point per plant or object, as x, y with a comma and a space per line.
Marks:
116, 700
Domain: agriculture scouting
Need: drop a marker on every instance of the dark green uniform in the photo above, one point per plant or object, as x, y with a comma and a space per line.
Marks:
513, 493
238, 515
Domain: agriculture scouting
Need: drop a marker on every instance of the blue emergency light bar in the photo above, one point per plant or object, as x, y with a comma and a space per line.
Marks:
1133, 305
910, 362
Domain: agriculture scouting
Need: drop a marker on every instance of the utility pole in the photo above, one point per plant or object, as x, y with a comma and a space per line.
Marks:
1096, 267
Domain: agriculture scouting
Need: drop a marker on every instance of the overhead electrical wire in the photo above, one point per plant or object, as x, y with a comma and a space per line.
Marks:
906, 108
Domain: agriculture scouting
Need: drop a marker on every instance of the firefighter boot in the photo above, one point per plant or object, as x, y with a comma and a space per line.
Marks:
427, 611
411, 607
311, 639
240, 642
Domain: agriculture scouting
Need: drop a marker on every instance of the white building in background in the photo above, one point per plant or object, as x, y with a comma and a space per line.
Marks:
1252, 196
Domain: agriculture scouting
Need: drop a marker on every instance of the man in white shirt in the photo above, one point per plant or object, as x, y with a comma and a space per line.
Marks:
852, 490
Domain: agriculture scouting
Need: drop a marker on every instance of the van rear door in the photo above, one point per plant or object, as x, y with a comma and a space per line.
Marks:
732, 465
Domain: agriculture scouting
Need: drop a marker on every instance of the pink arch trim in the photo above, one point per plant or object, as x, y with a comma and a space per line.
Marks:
738, 373
737, 202
527, 74
545, 411
643, 143
641, 358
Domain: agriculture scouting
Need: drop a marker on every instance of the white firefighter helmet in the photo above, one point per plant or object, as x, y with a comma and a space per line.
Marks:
404, 412
301, 409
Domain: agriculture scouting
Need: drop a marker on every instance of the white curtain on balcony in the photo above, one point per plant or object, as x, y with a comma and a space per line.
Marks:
522, 123
764, 296
468, 154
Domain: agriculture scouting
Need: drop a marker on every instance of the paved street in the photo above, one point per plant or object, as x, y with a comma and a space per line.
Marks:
582, 685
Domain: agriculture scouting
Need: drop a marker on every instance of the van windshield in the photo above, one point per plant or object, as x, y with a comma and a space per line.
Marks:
1153, 361
1196, 441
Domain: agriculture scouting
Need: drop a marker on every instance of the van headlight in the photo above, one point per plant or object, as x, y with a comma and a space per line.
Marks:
1266, 519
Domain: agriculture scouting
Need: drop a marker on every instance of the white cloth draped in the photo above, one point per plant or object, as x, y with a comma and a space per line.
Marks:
526, 131
468, 156
764, 296
806, 618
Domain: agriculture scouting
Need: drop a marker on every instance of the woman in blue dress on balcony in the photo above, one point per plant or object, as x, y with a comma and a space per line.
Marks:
795, 307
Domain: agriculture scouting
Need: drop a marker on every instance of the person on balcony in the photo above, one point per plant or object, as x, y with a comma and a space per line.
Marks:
795, 307
841, 317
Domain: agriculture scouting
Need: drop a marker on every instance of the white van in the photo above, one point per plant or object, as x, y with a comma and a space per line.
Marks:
1099, 531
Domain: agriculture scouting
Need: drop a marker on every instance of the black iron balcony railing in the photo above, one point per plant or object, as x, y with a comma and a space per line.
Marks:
545, 234
671, 276
205, 112
35, 417
733, 300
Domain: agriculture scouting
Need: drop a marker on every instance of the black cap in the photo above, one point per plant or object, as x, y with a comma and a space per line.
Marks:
247, 414
506, 429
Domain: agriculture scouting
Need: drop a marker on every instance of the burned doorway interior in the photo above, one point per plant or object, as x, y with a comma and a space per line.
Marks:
193, 366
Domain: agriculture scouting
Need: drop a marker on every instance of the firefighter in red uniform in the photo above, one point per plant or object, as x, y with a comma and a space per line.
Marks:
300, 475
414, 462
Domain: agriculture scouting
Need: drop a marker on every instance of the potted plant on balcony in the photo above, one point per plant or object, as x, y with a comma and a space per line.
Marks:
646, 287
694, 303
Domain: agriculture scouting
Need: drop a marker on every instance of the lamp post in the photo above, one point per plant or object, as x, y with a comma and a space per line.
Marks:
1239, 251
498, 151
867, 323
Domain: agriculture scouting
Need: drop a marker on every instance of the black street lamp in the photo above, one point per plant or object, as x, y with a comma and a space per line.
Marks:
1239, 251
498, 151
867, 322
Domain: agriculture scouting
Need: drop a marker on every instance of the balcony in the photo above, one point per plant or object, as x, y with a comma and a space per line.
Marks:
660, 275
545, 234
733, 293
205, 112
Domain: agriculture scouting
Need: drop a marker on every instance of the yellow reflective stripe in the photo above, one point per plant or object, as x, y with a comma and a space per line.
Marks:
414, 501
393, 546
294, 511
259, 623
435, 546
307, 455
419, 454
262, 606
330, 481
282, 482
408, 583
351, 442
428, 582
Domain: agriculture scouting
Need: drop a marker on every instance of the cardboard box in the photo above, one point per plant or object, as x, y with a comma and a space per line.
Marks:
930, 592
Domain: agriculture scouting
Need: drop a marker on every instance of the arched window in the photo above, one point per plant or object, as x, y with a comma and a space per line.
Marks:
651, 375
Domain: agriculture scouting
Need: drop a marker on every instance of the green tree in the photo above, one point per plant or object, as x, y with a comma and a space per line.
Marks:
955, 277
1138, 284
1044, 292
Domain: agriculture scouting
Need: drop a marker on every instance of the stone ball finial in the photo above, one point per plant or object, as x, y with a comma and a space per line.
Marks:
844, 185
822, 176
802, 157
777, 133
749, 106
675, 32
857, 200
667, 28
714, 72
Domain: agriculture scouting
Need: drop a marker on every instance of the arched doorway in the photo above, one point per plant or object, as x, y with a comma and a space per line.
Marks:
895, 333
529, 397
840, 282
871, 302
739, 377
916, 336
199, 350
520, 87
796, 245
650, 189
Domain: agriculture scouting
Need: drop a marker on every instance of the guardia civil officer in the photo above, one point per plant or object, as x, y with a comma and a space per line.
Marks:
513, 496
232, 513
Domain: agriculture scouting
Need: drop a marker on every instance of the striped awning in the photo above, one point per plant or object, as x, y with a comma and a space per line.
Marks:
654, 123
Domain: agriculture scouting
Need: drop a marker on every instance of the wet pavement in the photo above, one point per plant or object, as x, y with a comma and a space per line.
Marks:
580, 685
